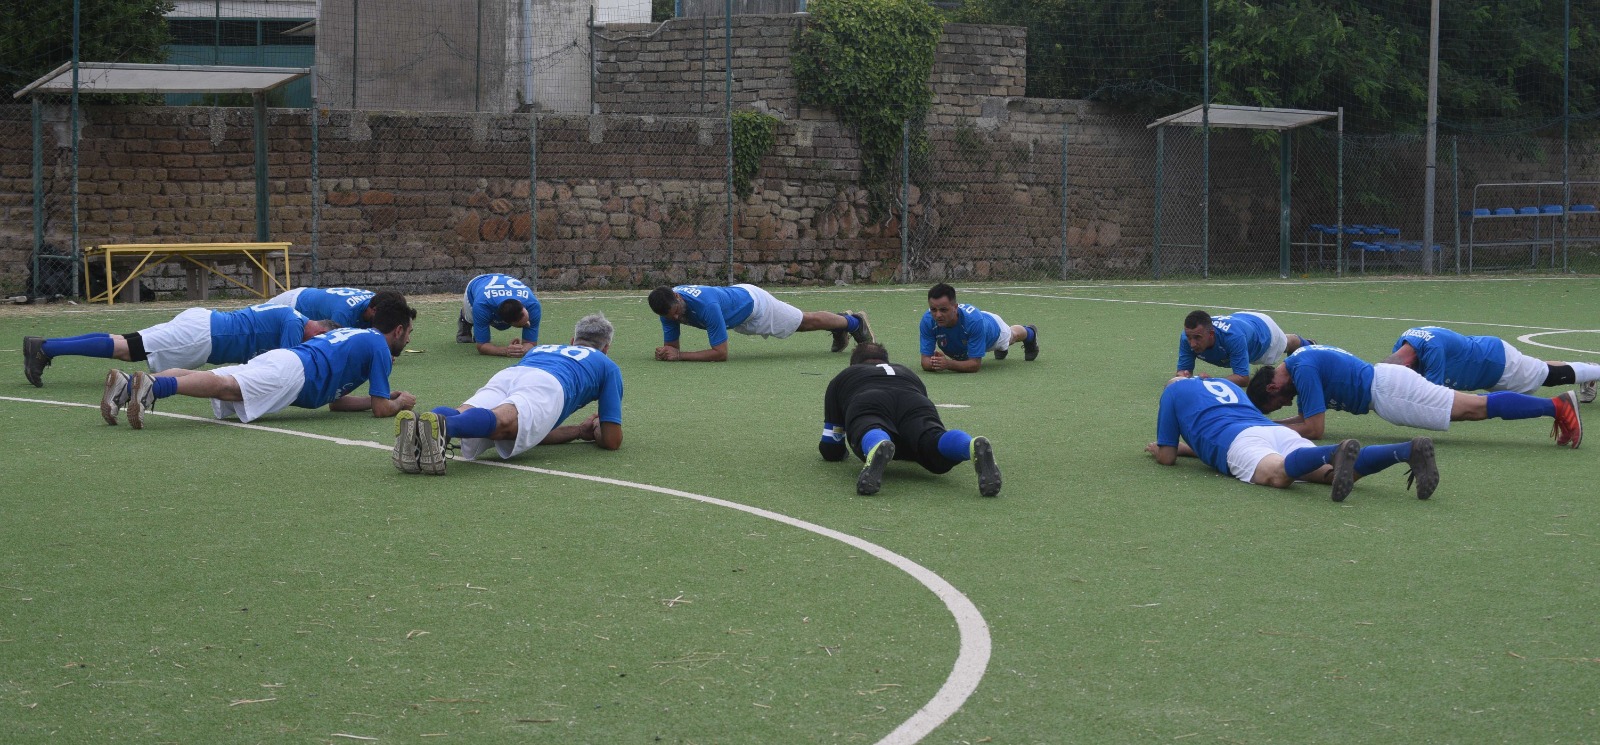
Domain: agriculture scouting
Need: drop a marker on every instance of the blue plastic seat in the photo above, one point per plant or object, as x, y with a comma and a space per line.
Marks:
1584, 208
1505, 211
1527, 210
1550, 209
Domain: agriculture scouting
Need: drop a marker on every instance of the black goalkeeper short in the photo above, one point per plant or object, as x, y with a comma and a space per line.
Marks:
910, 419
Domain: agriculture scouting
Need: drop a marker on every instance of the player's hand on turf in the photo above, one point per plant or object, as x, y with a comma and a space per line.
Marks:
405, 400
590, 428
667, 354
515, 348
937, 360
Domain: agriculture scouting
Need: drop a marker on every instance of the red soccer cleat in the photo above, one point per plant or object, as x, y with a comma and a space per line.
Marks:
1568, 429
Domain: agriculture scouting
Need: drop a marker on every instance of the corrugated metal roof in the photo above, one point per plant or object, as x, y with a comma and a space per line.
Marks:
127, 77
1224, 116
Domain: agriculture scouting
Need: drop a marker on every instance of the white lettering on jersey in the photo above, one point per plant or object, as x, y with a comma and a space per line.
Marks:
576, 353
689, 290
887, 370
1418, 333
340, 334
1221, 391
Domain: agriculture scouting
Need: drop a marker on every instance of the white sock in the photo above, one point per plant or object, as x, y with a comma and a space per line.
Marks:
1585, 371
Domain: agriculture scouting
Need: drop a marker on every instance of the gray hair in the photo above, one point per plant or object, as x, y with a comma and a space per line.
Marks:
595, 330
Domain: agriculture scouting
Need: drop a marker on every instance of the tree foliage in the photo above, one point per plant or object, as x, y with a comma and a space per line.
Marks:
36, 35
1500, 61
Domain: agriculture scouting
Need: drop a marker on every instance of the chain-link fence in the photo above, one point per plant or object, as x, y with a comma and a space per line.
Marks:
586, 145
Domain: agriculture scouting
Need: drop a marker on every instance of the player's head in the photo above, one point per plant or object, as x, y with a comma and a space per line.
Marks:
942, 304
593, 330
512, 313
1198, 330
394, 322
316, 328
381, 300
869, 353
666, 303
1271, 388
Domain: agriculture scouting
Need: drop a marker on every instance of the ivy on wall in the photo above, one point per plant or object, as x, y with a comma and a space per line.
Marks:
754, 134
869, 61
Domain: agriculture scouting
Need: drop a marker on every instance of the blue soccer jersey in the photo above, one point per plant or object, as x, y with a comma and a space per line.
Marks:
585, 373
1465, 363
972, 336
715, 309
487, 292
1330, 378
1241, 339
238, 336
342, 305
340, 361
1208, 413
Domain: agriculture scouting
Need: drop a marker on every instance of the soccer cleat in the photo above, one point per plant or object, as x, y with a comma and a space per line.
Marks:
34, 361
1000, 354
1344, 469
1424, 470
1030, 347
871, 478
405, 442
116, 396
863, 332
431, 444
841, 339
463, 331
988, 471
141, 397
1586, 392
1568, 429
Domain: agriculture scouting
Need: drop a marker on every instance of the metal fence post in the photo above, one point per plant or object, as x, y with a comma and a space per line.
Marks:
1064, 191
905, 196
533, 200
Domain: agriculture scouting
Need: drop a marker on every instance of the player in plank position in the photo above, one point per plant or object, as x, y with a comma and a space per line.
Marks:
747, 309
195, 337
498, 301
1486, 363
524, 405
320, 372
346, 307
1234, 341
1326, 378
1219, 427
955, 336
881, 411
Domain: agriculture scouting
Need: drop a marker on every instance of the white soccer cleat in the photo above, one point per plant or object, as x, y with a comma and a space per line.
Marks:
141, 397
431, 444
1586, 393
115, 396
405, 442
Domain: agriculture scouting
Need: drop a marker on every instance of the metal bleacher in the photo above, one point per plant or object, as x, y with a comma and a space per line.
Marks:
1533, 223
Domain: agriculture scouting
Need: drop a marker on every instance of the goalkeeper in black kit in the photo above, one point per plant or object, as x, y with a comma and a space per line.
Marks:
882, 411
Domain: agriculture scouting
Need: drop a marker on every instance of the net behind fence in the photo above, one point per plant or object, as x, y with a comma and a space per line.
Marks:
620, 144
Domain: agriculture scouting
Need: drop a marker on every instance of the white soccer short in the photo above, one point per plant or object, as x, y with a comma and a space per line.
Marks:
1523, 374
1402, 396
539, 399
770, 316
1256, 443
269, 382
288, 297
1280, 341
183, 342
1003, 342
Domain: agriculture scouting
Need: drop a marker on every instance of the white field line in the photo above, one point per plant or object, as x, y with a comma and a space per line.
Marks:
1528, 339
972, 658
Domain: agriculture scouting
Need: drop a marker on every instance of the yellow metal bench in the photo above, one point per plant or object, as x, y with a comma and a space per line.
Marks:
201, 259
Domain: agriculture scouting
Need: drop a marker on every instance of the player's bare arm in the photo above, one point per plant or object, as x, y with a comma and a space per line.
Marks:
670, 352
515, 349
1310, 427
1405, 356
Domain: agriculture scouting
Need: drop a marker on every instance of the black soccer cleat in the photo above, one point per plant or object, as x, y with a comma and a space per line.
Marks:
841, 339
1344, 468
34, 360
863, 332
463, 330
1030, 347
988, 470
1424, 469
871, 478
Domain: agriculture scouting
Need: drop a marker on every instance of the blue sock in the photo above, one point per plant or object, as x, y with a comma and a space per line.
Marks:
871, 439
1030, 331
1509, 405
1306, 460
165, 386
955, 445
1375, 458
852, 323
86, 345
471, 423
445, 412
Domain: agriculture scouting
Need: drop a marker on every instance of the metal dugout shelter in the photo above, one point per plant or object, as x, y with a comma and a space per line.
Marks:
1224, 116
127, 77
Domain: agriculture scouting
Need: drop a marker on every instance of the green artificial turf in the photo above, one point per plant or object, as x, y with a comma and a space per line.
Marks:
202, 583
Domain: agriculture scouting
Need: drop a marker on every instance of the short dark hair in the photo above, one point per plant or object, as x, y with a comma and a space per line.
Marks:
510, 310
942, 290
867, 352
1257, 390
662, 299
1197, 319
390, 315
384, 298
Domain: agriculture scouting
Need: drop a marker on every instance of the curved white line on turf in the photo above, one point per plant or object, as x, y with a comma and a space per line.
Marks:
971, 659
1528, 339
